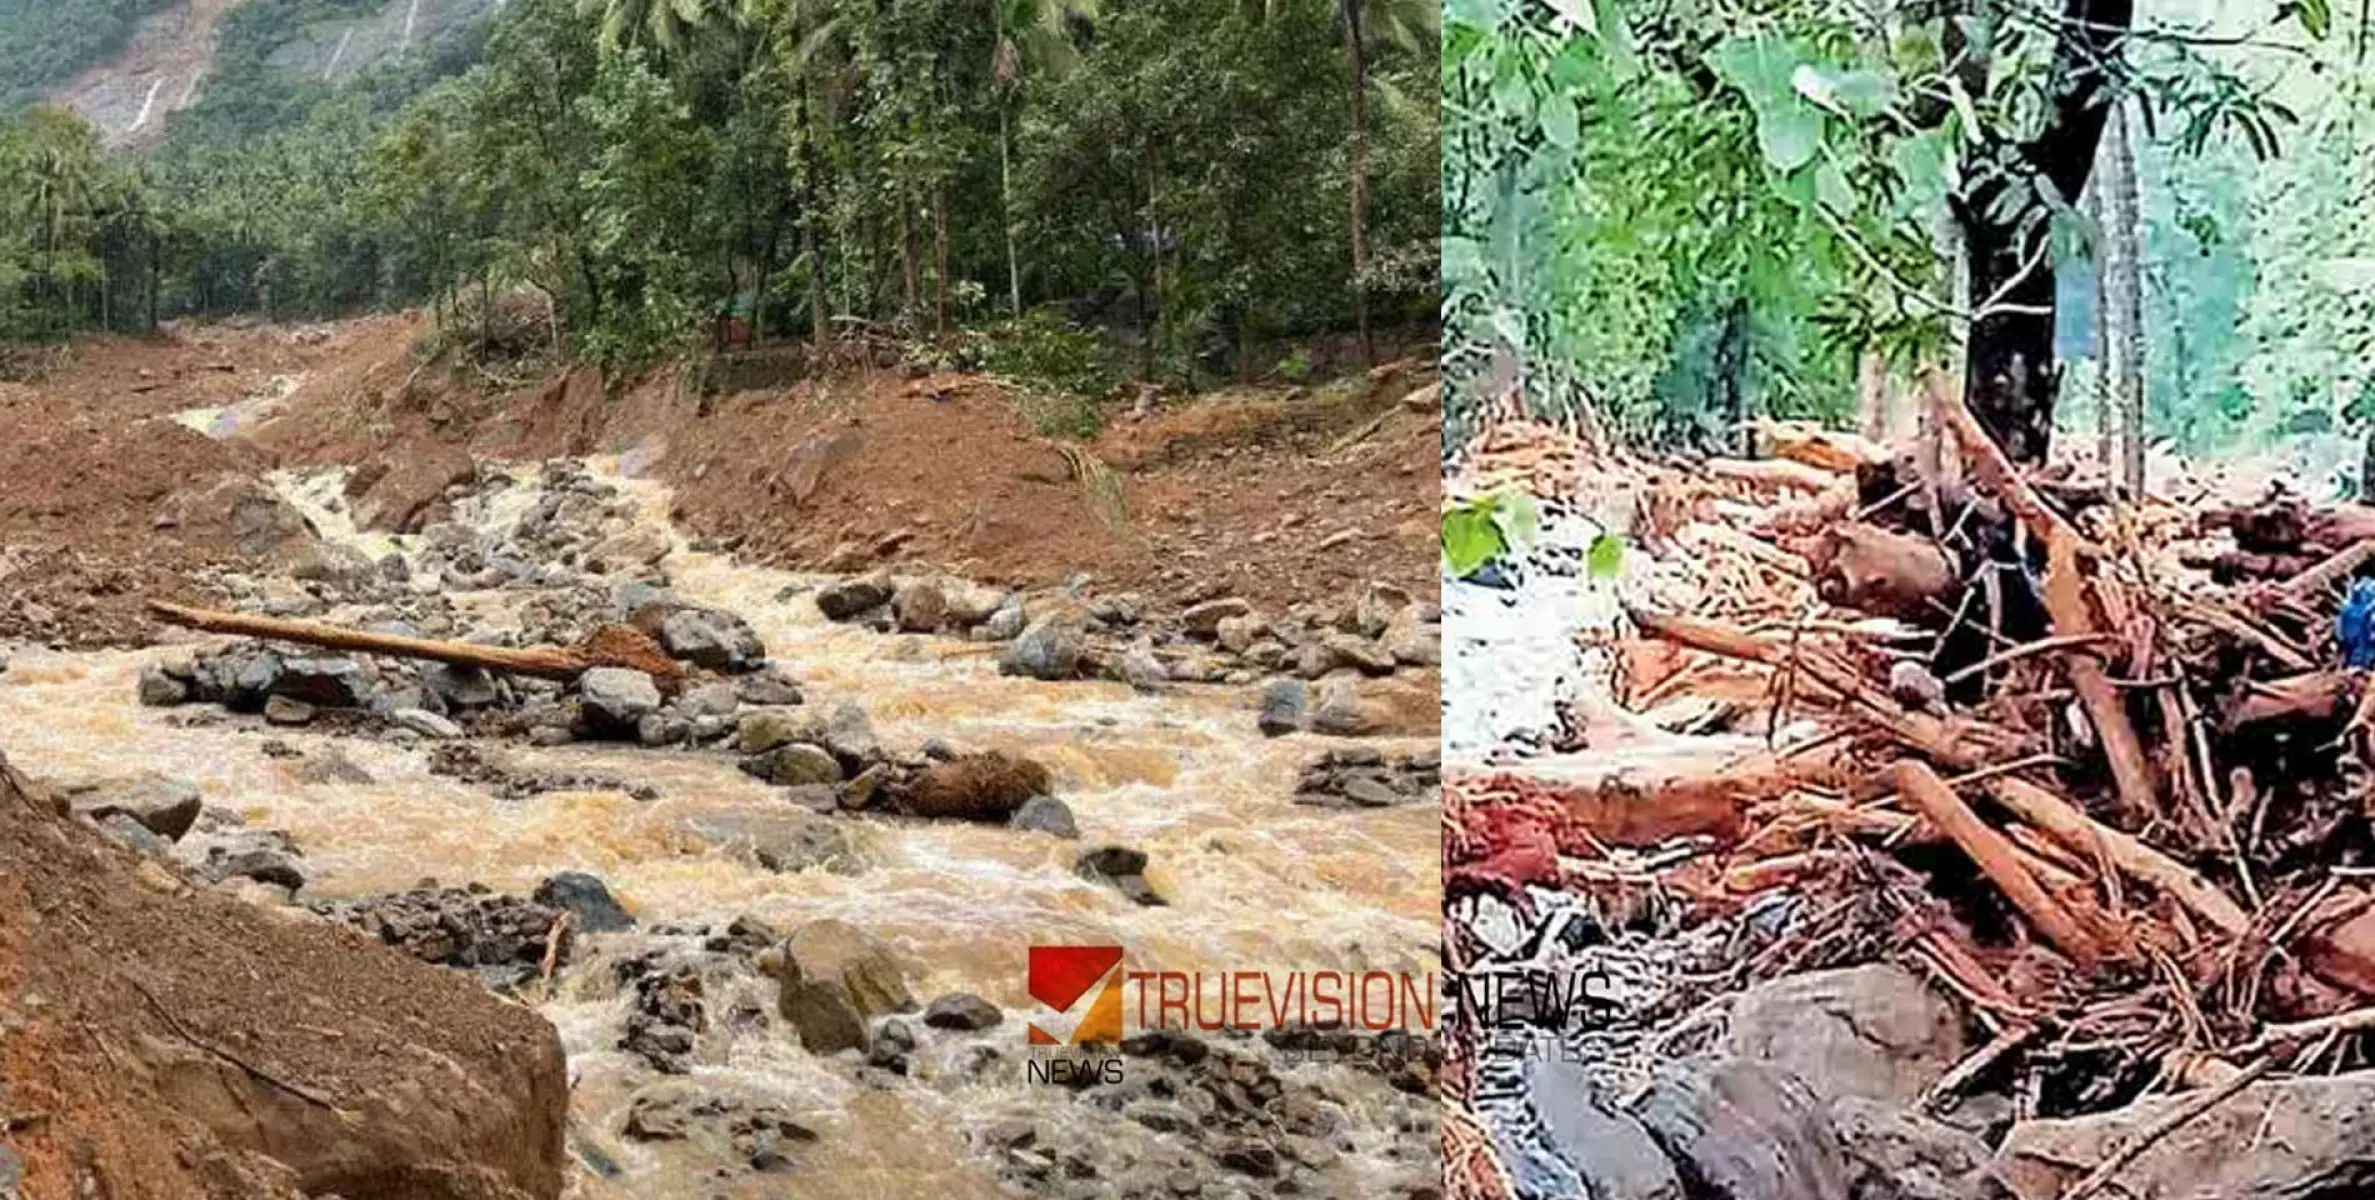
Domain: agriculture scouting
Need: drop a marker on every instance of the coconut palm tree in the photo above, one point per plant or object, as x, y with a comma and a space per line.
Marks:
1035, 37
1366, 25
660, 24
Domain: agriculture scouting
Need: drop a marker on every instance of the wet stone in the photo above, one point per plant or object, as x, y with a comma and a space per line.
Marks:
1050, 650
164, 806
1284, 706
161, 690
501, 938
1045, 814
852, 597
962, 1010
768, 685
280, 710
1121, 868
586, 899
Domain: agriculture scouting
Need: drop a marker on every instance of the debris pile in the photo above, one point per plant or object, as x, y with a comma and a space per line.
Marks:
2090, 775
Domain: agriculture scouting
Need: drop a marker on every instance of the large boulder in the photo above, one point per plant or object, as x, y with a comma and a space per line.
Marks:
166, 807
1581, 1141
1744, 1131
613, 699
1875, 1031
239, 515
1896, 1153
324, 682
195, 1045
1389, 707
2291, 1139
833, 980
401, 496
1049, 649
712, 638
847, 598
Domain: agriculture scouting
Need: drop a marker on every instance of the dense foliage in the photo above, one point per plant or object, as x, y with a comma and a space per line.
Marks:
44, 43
1676, 214
1180, 173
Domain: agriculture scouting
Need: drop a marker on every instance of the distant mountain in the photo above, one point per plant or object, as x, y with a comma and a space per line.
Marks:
129, 66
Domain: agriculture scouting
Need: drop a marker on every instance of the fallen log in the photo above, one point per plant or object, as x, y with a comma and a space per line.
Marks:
1958, 742
2087, 837
609, 646
1771, 473
1874, 570
2318, 695
2000, 861
1658, 797
2336, 567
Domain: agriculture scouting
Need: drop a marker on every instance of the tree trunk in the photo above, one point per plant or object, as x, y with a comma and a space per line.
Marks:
2367, 469
940, 260
908, 267
2106, 425
608, 646
1871, 383
1356, 43
1014, 270
2009, 374
2127, 297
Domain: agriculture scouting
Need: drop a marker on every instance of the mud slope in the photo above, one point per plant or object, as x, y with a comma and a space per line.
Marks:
1276, 495
161, 1042
130, 96
99, 483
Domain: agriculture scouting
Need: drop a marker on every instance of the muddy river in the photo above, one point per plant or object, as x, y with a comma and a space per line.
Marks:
1254, 882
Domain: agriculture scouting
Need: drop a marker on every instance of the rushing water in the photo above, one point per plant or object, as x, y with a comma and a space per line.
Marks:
1254, 882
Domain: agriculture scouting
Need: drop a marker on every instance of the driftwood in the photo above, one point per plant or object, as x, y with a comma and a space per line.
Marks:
1996, 856
609, 646
1958, 742
2318, 695
1643, 803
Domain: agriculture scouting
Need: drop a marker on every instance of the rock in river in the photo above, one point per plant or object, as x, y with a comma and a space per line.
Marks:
585, 898
615, 699
1049, 649
712, 638
166, 807
834, 979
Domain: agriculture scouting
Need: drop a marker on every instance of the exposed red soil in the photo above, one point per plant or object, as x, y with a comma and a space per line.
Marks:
1234, 492
160, 1043
89, 453
1256, 492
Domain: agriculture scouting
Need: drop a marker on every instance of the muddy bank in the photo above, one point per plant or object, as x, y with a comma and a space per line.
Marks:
162, 1039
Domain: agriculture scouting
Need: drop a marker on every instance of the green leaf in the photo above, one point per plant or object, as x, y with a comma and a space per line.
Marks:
1463, 259
1606, 559
1477, 14
1559, 121
1471, 538
2316, 17
1964, 109
1832, 188
1518, 518
1788, 134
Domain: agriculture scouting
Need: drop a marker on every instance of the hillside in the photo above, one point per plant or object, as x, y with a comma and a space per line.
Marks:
129, 66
